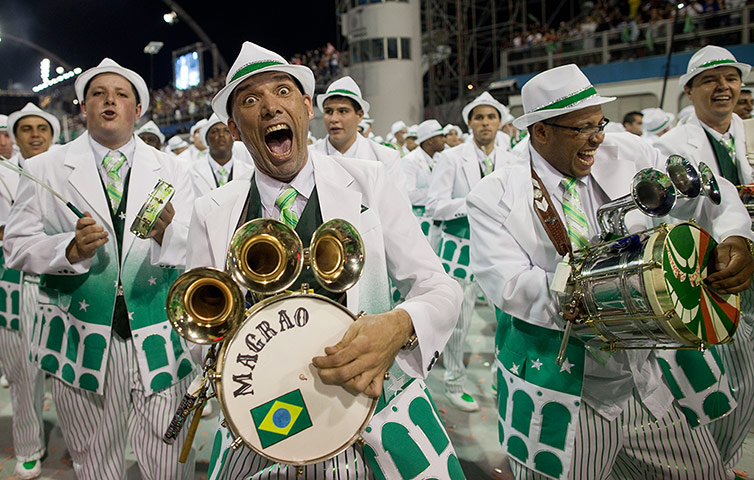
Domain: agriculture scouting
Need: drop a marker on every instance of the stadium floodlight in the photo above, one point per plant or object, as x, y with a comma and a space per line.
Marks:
170, 18
153, 47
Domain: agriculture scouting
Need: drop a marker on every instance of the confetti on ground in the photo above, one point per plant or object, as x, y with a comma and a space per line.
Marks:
484, 417
443, 411
482, 380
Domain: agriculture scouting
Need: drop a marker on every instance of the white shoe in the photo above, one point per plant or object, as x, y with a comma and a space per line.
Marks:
462, 401
32, 469
4, 382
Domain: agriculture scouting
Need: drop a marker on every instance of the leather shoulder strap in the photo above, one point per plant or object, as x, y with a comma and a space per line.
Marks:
549, 217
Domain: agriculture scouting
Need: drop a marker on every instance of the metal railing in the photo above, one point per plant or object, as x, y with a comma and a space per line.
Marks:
728, 27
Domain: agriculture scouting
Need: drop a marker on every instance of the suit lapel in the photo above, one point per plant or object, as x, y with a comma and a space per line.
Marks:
337, 200
470, 166
204, 178
611, 172
85, 179
221, 223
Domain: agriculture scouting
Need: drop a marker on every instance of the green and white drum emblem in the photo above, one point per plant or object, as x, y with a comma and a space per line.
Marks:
709, 316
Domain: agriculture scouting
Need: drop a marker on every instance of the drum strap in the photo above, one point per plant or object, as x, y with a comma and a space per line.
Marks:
549, 217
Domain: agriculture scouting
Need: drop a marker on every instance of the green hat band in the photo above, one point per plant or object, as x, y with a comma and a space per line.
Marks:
343, 90
661, 126
716, 62
253, 68
569, 100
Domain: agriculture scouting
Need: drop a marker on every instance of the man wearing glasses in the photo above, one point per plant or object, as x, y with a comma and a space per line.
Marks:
598, 414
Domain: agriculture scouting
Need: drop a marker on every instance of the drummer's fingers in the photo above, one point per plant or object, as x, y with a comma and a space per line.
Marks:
722, 256
734, 279
168, 213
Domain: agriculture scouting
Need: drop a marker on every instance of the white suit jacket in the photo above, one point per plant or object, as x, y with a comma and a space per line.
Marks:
361, 193
8, 186
204, 178
511, 255
417, 173
370, 150
40, 226
455, 174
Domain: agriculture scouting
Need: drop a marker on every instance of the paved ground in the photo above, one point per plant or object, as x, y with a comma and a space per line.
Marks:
474, 435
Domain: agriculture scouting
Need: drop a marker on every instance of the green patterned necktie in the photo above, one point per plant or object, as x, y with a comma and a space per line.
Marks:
223, 177
488, 166
578, 228
730, 146
285, 203
113, 162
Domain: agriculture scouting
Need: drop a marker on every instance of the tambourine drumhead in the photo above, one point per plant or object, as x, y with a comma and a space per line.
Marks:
700, 315
152, 208
271, 394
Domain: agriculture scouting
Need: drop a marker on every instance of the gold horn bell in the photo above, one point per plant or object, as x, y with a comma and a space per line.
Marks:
265, 257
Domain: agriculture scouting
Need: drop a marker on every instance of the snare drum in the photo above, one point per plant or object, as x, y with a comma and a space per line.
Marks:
647, 291
152, 208
271, 393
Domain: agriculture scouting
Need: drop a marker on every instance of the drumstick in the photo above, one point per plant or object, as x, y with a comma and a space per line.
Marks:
564, 343
192, 432
6, 163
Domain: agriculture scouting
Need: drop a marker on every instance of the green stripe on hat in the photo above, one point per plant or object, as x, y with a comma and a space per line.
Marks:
343, 90
716, 62
253, 68
658, 128
570, 100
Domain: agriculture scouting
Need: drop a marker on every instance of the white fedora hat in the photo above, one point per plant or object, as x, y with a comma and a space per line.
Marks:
428, 129
398, 126
343, 87
210, 122
253, 60
450, 127
151, 127
176, 142
3, 122
32, 110
711, 57
110, 66
556, 92
484, 99
411, 132
197, 126
655, 120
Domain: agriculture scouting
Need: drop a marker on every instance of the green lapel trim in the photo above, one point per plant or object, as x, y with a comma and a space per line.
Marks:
253, 68
570, 100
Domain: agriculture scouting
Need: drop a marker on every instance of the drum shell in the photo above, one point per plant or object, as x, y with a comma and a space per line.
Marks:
627, 300
336, 394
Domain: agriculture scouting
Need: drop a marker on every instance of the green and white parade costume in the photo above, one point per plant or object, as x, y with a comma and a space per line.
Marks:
456, 172
694, 142
514, 262
78, 314
18, 302
405, 438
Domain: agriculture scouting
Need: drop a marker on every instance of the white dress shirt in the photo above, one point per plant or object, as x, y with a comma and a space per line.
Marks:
270, 189
100, 151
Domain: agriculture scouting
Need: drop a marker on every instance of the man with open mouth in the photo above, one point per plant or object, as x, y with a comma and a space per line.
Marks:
713, 135
267, 104
595, 415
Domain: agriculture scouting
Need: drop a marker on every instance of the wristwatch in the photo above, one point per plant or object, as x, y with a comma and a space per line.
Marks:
411, 343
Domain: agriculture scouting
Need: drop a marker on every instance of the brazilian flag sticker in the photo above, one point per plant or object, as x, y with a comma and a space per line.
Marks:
281, 418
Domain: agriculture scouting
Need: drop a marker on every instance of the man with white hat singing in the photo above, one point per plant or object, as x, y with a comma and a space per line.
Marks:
151, 135
343, 109
591, 417
456, 172
192, 153
216, 165
118, 370
267, 103
417, 169
34, 131
713, 135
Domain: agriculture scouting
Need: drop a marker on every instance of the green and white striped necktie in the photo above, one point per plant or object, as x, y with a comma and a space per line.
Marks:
488, 166
113, 163
729, 145
222, 177
285, 203
578, 228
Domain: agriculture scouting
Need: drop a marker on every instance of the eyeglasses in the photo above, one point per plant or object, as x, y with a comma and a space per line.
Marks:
586, 132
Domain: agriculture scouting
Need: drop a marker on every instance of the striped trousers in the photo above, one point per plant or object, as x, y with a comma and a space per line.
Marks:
452, 355
96, 427
26, 381
636, 445
738, 358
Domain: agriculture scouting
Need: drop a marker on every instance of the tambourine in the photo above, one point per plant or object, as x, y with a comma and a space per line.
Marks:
152, 208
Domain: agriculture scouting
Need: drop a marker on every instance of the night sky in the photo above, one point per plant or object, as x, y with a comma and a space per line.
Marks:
82, 32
